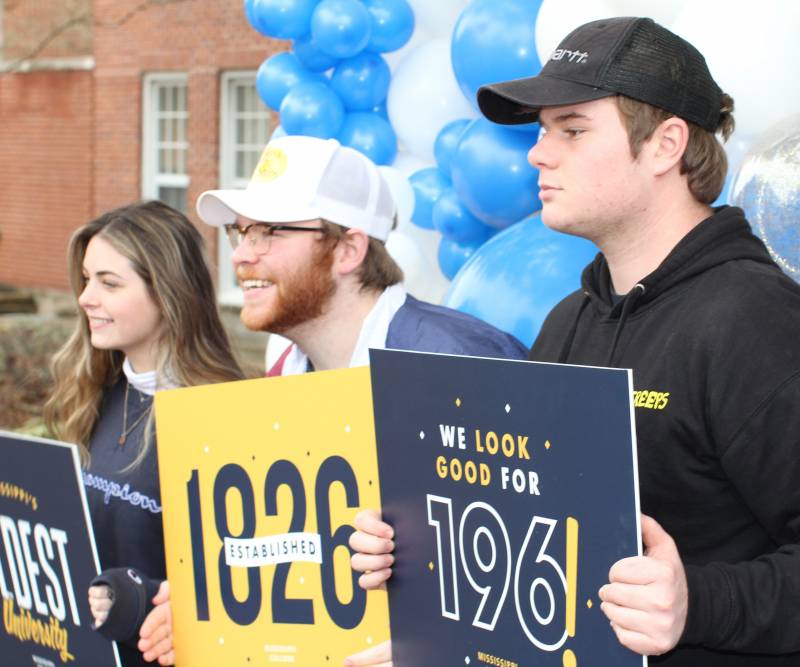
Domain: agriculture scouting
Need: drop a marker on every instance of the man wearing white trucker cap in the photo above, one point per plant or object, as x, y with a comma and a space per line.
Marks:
686, 296
308, 235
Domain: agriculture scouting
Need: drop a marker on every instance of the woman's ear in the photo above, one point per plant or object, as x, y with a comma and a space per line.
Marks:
668, 144
350, 251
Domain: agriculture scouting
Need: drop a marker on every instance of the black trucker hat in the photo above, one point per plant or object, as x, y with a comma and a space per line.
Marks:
634, 57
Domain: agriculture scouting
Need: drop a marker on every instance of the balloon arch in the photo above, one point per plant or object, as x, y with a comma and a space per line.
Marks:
396, 79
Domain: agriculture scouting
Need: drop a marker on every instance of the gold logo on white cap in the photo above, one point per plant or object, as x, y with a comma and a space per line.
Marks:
272, 164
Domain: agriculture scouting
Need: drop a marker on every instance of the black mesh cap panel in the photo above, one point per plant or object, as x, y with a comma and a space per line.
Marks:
659, 68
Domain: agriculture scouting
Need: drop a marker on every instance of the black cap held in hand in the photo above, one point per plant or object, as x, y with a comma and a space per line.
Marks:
132, 594
634, 57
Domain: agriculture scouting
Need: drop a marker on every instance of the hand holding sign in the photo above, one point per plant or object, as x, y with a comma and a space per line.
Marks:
155, 641
373, 546
647, 598
100, 602
377, 656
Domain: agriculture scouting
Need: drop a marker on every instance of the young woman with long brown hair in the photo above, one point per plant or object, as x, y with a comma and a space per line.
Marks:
149, 321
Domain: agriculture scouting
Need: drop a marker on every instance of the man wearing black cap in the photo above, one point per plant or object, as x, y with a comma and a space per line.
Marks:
689, 298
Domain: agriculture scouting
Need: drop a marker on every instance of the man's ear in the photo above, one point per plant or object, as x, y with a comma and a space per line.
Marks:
351, 250
668, 144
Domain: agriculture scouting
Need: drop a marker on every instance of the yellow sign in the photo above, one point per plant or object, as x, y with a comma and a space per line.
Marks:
260, 482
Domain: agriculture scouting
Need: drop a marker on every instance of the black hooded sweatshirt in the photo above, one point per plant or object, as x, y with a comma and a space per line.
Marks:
713, 338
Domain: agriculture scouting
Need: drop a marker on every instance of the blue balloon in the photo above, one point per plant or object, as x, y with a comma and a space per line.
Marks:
284, 19
341, 28
492, 176
372, 135
311, 108
768, 189
392, 24
428, 185
252, 19
515, 279
380, 109
278, 74
455, 222
311, 56
453, 255
444, 147
494, 41
362, 81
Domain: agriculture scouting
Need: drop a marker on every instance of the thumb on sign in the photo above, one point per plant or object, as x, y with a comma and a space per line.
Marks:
647, 597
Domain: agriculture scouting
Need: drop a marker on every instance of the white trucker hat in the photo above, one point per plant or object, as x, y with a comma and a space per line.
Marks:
304, 178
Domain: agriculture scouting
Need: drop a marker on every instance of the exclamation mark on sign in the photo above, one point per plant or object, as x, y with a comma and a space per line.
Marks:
569, 659
572, 574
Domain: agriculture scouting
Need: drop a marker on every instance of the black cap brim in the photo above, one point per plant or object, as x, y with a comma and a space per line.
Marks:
518, 101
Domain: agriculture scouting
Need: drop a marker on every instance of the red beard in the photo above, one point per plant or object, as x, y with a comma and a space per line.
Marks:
301, 296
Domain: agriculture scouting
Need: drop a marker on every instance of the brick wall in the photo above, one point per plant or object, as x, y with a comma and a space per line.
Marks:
201, 38
71, 142
45, 172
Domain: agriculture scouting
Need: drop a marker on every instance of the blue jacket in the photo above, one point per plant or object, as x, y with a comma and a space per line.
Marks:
425, 327
419, 326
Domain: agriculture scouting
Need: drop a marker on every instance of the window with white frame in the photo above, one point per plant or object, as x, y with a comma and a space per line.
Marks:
245, 128
165, 145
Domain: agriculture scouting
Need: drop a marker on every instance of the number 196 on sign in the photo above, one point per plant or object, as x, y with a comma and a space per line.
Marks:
477, 546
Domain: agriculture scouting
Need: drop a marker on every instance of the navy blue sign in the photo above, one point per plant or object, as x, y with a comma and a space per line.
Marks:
512, 488
47, 558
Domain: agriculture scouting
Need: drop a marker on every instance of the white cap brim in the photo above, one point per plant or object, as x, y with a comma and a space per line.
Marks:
222, 207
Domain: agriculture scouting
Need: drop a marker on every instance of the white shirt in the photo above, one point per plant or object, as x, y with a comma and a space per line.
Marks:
147, 382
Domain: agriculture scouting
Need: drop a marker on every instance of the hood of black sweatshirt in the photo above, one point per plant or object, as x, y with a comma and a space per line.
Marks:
723, 237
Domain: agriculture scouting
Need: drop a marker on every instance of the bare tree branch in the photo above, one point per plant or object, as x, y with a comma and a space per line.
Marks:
81, 19
141, 7
14, 65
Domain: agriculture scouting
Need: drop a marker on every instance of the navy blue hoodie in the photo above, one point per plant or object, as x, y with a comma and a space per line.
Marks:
713, 338
125, 504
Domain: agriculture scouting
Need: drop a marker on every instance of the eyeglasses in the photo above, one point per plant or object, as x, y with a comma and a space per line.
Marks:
258, 235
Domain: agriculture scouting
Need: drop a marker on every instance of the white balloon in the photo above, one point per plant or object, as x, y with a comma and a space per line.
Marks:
407, 163
427, 240
752, 51
402, 193
423, 279
437, 17
432, 285
394, 58
556, 19
405, 252
663, 12
424, 96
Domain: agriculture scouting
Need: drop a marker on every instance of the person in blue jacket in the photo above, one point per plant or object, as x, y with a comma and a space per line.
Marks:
308, 237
